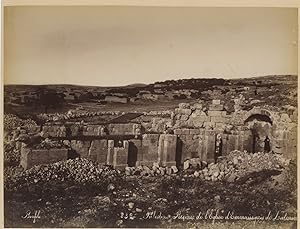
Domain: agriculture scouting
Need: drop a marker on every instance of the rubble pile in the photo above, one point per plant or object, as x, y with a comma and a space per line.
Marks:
11, 122
236, 165
48, 144
155, 170
77, 113
79, 171
230, 168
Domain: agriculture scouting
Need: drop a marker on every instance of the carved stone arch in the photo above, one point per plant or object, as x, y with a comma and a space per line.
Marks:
259, 114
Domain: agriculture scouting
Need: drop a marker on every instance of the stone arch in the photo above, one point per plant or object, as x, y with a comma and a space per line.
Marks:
261, 129
260, 114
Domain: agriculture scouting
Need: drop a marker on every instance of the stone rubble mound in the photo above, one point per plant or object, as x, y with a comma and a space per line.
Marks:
235, 165
230, 168
12, 122
79, 171
75, 113
48, 144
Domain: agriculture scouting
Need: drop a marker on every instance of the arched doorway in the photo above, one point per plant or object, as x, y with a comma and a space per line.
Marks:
261, 129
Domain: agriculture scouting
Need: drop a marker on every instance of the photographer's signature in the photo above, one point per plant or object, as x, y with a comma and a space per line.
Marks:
30, 215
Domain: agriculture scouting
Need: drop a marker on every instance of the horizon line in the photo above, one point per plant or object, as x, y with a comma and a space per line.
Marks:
132, 84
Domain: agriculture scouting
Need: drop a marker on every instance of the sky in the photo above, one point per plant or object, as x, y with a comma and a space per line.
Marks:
114, 46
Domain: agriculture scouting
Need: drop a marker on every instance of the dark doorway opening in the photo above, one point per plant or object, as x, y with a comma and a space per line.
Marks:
132, 154
72, 154
178, 155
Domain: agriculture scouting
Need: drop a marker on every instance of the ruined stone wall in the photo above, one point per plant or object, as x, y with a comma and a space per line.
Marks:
124, 129
74, 130
195, 129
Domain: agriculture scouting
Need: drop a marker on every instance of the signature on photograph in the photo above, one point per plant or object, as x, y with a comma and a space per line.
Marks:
30, 215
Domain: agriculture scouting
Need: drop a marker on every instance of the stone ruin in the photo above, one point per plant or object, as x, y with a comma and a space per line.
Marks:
170, 138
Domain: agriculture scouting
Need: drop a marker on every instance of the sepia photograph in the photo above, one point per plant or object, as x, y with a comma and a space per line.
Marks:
150, 117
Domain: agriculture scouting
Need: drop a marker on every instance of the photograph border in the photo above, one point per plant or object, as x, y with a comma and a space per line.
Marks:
145, 3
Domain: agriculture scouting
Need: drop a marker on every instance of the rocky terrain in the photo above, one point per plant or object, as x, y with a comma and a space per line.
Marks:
82, 193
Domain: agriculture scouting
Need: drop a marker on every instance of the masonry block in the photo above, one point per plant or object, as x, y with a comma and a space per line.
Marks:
216, 107
120, 156
216, 113
81, 147
150, 148
194, 131
219, 119
31, 157
98, 151
167, 149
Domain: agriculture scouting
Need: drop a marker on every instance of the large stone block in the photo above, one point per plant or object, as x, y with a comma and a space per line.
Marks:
81, 147
184, 105
120, 156
198, 106
149, 148
209, 125
194, 131
216, 107
220, 119
167, 149
216, 101
216, 113
206, 149
98, 151
183, 111
31, 157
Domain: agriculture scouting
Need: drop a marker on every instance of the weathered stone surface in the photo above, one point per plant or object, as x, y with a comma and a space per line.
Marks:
216, 107
198, 106
98, 151
120, 156
216, 101
150, 148
81, 147
184, 105
186, 164
30, 157
216, 113
166, 149
219, 119
209, 125
183, 111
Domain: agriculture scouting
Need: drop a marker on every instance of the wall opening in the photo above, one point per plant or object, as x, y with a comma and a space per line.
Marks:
72, 154
260, 126
132, 155
178, 155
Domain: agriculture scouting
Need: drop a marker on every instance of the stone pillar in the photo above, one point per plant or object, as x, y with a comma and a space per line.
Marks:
110, 152
120, 156
98, 151
149, 149
167, 149
206, 149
